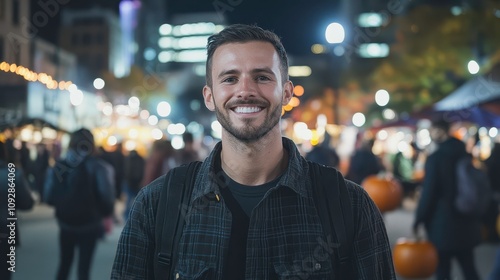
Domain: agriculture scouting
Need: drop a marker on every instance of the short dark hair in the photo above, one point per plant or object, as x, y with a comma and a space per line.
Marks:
242, 33
441, 123
82, 141
187, 137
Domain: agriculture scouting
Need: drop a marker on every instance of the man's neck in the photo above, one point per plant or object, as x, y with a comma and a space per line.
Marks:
255, 163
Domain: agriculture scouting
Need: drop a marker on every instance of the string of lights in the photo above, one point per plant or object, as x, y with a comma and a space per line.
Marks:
33, 76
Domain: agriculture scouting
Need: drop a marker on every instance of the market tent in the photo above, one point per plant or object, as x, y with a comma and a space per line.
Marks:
477, 91
477, 101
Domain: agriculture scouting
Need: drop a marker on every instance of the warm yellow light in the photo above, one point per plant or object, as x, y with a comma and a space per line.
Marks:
294, 102
43, 78
299, 71
288, 107
317, 48
29, 75
298, 90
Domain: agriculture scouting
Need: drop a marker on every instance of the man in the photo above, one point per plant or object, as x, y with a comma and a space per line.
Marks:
324, 154
262, 224
81, 188
454, 235
364, 162
189, 152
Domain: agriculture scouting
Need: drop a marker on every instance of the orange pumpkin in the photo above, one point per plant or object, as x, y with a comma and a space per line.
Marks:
386, 193
414, 258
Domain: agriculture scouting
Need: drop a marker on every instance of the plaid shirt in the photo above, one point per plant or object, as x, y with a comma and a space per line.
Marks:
285, 236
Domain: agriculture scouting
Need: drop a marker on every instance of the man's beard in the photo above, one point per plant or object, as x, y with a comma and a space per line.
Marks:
249, 133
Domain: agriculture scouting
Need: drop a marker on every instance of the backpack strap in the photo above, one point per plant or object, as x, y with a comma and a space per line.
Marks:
335, 212
176, 192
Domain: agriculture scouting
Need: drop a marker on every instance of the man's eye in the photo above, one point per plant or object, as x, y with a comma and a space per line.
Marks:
229, 80
263, 78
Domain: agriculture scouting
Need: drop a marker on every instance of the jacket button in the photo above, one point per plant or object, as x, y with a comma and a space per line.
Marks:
317, 266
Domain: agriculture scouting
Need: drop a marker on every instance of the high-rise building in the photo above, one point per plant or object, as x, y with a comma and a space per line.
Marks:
94, 36
141, 19
15, 45
14, 37
182, 57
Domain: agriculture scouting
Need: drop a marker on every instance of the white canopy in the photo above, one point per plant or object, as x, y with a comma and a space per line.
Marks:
474, 92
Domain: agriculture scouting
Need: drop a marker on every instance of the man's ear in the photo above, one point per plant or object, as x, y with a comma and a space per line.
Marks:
287, 92
208, 98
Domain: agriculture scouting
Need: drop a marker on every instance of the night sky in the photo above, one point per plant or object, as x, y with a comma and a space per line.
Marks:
300, 23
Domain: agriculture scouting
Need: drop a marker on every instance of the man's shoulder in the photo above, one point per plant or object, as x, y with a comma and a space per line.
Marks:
153, 189
354, 189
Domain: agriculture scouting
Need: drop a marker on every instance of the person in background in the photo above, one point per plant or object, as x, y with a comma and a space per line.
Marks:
134, 172
324, 153
454, 235
492, 165
252, 213
80, 210
118, 161
161, 159
188, 153
403, 169
16, 188
40, 165
364, 162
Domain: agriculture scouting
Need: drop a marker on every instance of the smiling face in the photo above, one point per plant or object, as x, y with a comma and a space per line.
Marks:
247, 90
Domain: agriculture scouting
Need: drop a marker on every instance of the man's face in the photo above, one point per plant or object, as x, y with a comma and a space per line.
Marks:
437, 134
247, 92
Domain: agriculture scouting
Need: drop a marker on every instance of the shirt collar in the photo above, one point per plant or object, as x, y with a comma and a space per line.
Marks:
210, 178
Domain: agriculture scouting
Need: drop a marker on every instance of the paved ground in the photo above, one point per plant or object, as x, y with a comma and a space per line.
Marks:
38, 256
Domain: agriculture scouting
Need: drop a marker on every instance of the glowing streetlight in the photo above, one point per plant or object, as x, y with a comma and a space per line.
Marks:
382, 97
335, 33
473, 67
99, 83
163, 109
358, 119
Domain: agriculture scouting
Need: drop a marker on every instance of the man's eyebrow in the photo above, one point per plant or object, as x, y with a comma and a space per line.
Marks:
228, 72
263, 70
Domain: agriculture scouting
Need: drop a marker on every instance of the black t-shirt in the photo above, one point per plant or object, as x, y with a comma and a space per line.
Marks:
240, 200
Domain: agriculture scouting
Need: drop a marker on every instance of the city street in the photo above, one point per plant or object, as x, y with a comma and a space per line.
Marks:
37, 258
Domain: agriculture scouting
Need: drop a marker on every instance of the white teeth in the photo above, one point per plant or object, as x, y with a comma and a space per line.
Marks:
246, 110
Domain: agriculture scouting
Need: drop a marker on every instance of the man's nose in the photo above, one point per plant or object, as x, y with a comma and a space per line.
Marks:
247, 87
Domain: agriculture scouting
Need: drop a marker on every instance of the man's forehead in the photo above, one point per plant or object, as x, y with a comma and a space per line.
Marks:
256, 53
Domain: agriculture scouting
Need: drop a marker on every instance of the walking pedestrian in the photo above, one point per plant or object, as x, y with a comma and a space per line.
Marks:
81, 188
134, 172
453, 234
364, 162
